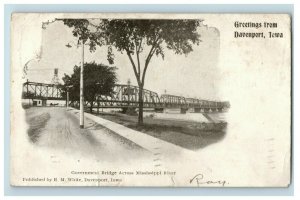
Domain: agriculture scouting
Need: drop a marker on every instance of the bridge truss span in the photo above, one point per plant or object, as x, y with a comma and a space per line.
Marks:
33, 90
127, 96
123, 96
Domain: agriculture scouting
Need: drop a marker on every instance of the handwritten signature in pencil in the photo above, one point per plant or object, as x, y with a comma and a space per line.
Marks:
199, 180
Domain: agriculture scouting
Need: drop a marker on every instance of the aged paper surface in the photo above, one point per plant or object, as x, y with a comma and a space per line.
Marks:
219, 116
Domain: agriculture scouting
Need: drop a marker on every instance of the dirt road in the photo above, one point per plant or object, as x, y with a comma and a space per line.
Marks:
56, 128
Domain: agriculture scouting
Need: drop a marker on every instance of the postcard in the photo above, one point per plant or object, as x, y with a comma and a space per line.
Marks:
150, 100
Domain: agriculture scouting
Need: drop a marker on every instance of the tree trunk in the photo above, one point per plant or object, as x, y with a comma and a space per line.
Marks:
141, 105
91, 107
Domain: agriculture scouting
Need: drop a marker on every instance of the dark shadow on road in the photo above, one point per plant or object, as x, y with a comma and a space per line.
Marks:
36, 124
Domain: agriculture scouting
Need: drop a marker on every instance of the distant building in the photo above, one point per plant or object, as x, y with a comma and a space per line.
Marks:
55, 79
39, 102
42, 102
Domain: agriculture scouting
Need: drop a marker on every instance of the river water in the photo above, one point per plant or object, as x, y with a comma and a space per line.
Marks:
174, 114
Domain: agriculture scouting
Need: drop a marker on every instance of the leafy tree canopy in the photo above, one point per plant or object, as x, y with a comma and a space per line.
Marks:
98, 79
85, 32
131, 36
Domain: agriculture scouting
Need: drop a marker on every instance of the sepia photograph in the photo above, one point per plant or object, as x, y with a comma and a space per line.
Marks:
159, 100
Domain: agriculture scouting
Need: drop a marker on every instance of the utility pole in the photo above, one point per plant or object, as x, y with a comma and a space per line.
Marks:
81, 96
128, 90
68, 98
81, 117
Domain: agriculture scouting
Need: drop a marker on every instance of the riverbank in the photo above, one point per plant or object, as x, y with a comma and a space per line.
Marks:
187, 134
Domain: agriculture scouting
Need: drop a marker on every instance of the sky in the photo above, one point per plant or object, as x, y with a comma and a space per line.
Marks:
195, 75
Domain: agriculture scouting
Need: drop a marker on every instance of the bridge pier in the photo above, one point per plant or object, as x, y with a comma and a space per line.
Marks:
197, 110
206, 110
159, 110
129, 110
183, 110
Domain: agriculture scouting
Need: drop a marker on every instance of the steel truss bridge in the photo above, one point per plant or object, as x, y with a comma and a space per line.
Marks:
33, 90
124, 96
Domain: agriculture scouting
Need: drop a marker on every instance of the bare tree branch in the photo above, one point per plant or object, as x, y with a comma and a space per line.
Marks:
147, 63
133, 65
138, 60
141, 41
151, 53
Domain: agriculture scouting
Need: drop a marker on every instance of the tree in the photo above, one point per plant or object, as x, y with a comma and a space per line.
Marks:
135, 36
99, 80
81, 29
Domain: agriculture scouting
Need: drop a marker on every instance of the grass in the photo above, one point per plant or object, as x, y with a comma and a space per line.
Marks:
187, 134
